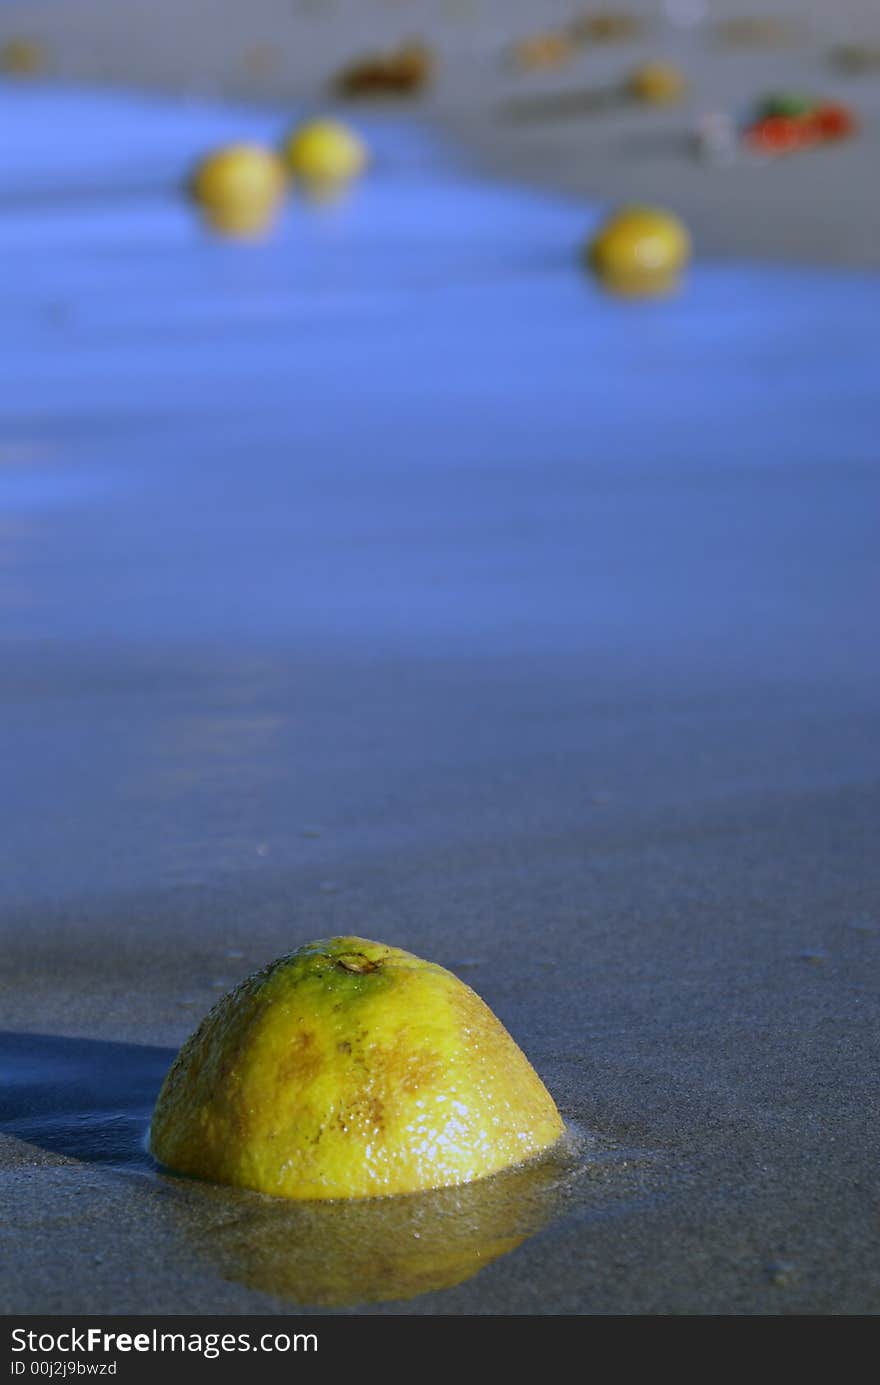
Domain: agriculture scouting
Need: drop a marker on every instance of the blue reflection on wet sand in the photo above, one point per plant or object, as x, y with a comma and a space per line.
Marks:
408, 428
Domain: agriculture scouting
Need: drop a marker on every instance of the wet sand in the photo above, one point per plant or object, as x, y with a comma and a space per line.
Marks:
392, 579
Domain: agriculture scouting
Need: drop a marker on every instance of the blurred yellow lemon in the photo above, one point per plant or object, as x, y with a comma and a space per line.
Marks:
325, 152
658, 84
239, 189
349, 1069
640, 251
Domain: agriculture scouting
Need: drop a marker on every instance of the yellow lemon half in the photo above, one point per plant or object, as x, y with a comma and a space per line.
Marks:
640, 251
239, 189
349, 1069
325, 151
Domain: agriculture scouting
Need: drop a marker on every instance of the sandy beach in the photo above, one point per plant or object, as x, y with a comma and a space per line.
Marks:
391, 578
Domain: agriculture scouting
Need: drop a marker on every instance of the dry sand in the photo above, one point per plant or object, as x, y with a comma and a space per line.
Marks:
393, 581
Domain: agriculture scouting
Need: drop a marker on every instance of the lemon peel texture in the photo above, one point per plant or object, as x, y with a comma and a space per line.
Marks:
350, 1069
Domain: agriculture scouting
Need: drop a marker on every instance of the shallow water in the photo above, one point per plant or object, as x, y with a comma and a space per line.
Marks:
390, 578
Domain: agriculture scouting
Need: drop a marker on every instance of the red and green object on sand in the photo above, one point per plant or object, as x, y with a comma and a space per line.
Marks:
785, 123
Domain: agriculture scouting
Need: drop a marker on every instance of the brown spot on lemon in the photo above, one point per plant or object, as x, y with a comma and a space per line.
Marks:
359, 1071
301, 1063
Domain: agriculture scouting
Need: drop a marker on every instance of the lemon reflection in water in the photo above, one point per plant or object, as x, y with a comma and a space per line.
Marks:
340, 1253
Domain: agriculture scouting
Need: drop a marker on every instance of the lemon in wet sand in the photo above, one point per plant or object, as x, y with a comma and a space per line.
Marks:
239, 189
640, 251
349, 1069
325, 152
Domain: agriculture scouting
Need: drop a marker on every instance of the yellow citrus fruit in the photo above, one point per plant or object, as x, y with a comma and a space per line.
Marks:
325, 151
349, 1069
640, 250
658, 84
239, 189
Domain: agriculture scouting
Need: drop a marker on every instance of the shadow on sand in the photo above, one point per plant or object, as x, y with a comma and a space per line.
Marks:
84, 1098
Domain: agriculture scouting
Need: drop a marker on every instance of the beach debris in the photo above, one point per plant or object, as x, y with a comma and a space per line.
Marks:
350, 1069
22, 57
657, 84
639, 252
239, 189
780, 1273
792, 103
552, 48
833, 120
325, 154
759, 31
606, 26
716, 137
857, 58
404, 71
786, 122
542, 51
816, 956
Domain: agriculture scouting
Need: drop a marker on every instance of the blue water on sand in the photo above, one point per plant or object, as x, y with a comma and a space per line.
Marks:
407, 426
